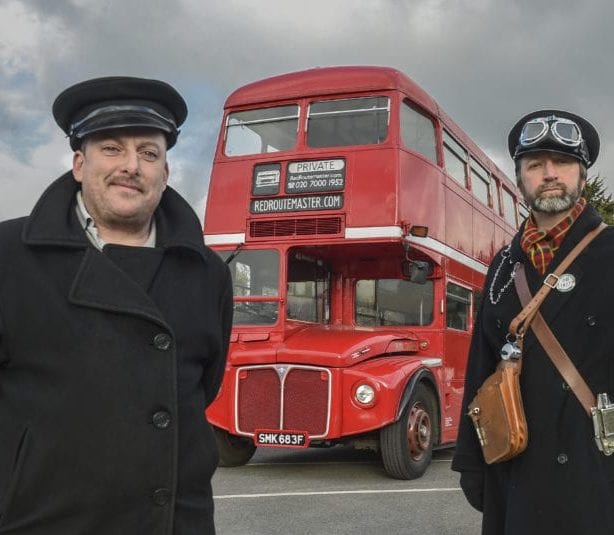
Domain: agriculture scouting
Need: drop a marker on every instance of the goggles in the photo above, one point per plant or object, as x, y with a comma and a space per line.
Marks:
563, 131
554, 131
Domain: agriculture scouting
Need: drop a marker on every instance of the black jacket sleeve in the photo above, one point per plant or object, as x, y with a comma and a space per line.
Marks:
4, 359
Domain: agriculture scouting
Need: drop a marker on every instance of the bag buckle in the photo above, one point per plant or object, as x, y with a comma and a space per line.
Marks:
474, 413
551, 285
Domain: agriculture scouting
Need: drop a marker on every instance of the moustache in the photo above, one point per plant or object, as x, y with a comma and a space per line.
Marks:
548, 187
127, 183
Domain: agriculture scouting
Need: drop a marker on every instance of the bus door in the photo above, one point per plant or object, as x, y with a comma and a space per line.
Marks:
457, 337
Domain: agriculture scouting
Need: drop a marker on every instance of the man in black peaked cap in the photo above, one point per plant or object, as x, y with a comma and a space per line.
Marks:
114, 327
563, 482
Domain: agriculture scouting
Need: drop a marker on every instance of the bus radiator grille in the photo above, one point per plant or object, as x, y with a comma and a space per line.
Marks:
259, 400
304, 393
312, 226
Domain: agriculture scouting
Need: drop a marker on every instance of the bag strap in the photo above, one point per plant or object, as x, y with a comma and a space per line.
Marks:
521, 322
553, 348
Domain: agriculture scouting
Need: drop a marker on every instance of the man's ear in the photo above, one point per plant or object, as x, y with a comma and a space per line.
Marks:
78, 159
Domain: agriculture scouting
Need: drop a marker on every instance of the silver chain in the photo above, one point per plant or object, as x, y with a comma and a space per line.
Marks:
505, 254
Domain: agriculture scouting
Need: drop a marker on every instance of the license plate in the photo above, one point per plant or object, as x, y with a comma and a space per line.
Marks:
281, 439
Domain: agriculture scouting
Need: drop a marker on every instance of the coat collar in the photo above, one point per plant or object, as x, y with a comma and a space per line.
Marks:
556, 301
586, 221
53, 220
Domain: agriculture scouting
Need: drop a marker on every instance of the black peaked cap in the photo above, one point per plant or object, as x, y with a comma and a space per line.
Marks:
587, 154
119, 102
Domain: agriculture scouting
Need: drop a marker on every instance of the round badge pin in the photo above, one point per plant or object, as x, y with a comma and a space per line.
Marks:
566, 282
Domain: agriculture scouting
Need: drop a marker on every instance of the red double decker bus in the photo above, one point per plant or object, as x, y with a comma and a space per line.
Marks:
358, 221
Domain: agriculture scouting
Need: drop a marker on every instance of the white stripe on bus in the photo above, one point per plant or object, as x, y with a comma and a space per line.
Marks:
223, 239
373, 232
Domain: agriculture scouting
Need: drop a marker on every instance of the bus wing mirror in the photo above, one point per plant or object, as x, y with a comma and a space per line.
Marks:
416, 271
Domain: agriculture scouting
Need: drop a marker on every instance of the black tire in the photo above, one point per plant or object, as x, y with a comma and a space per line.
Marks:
234, 450
407, 445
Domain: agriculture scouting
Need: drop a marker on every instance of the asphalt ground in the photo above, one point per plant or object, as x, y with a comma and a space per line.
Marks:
338, 491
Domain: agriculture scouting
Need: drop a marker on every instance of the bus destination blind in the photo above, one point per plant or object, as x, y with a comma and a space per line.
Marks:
315, 175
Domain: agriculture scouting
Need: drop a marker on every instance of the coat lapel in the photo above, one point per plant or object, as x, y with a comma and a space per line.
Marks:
102, 285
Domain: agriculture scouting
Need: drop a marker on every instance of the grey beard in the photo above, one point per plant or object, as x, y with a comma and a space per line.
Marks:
554, 205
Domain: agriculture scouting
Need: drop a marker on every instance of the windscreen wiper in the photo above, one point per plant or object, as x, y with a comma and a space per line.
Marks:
234, 254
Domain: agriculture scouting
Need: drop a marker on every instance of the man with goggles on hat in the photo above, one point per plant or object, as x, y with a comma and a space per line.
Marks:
114, 325
562, 483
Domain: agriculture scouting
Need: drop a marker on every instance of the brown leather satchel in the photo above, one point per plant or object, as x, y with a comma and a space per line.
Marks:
496, 410
498, 414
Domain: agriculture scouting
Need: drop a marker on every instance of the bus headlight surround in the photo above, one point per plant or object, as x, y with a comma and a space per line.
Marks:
364, 395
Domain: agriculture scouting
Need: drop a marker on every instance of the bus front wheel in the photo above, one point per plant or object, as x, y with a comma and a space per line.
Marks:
234, 450
407, 444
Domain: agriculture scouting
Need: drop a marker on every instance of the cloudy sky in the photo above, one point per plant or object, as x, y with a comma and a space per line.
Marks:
486, 62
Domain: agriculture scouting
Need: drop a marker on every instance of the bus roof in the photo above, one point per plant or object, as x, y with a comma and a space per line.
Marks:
328, 81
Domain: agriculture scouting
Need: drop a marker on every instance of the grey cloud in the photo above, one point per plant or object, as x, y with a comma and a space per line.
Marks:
486, 62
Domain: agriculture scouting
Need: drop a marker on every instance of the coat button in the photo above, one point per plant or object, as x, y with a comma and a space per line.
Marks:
561, 458
161, 419
591, 321
162, 341
161, 496
564, 386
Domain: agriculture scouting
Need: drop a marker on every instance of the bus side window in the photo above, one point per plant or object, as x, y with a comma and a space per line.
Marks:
418, 132
509, 208
458, 301
455, 159
480, 182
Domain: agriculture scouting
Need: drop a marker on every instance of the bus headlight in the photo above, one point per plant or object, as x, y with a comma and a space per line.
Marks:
365, 394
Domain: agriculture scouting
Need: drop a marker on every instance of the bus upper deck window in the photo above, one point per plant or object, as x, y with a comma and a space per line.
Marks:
509, 208
355, 121
480, 182
260, 131
418, 132
455, 159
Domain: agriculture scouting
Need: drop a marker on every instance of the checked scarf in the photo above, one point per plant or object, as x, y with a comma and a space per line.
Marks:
541, 245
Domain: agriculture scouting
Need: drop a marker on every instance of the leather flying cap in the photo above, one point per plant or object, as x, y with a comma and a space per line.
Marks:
119, 102
554, 131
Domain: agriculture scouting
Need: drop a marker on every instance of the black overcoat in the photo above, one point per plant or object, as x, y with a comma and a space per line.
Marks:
107, 360
561, 484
